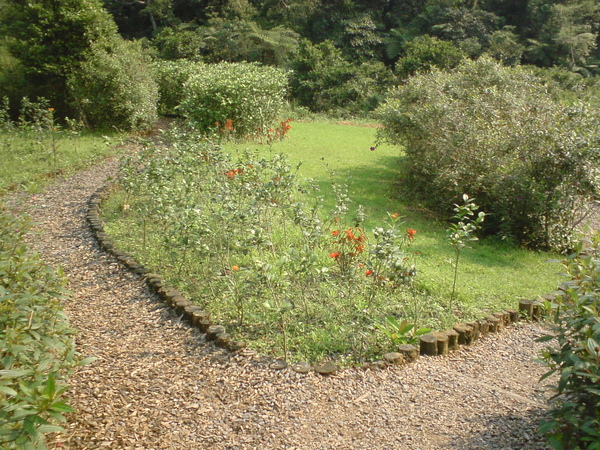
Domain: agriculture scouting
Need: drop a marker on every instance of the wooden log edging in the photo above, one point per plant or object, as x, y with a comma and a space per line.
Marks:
431, 344
194, 314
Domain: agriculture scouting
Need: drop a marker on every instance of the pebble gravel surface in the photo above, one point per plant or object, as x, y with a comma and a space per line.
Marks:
157, 384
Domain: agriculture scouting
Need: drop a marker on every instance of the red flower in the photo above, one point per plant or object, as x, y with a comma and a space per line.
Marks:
411, 233
369, 273
334, 254
335, 233
350, 234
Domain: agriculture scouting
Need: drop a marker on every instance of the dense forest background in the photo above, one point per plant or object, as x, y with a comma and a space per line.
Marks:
344, 55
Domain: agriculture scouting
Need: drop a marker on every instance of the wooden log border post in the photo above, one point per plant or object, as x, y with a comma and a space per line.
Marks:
431, 344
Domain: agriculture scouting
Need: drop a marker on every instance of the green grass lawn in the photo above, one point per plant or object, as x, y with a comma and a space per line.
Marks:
31, 159
493, 274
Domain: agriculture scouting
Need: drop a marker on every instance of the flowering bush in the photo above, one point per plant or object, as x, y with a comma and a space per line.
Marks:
251, 243
250, 95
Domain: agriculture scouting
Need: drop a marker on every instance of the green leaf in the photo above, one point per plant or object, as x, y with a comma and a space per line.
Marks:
12, 373
9, 391
51, 429
62, 407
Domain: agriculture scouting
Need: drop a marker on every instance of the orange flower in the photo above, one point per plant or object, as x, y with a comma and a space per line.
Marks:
350, 234
369, 273
235, 268
229, 124
231, 174
411, 233
395, 215
51, 109
335, 233
334, 254
336, 219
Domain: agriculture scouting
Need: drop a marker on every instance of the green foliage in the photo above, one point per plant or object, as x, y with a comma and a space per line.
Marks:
171, 76
249, 241
565, 34
505, 46
425, 52
242, 98
37, 350
236, 228
496, 133
574, 357
182, 42
35, 148
322, 80
50, 38
402, 332
115, 89
462, 231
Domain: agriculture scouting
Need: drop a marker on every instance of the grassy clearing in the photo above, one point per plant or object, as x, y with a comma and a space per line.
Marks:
493, 273
238, 235
31, 158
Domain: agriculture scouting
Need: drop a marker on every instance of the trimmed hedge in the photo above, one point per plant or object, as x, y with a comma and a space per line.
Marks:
243, 99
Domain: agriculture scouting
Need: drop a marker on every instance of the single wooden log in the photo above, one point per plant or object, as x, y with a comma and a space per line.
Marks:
538, 310
465, 333
327, 368
213, 331
513, 315
235, 346
180, 304
428, 345
452, 339
484, 326
493, 323
222, 340
442, 342
526, 308
394, 358
198, 315
504, 318
409, 352
204, 324
476, 330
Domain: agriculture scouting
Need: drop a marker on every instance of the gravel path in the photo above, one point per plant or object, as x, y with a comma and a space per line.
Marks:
157, 385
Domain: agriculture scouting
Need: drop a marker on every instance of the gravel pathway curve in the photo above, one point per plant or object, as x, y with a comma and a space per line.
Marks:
156, 384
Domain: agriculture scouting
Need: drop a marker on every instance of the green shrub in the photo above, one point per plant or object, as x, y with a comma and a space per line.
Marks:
182, 42
323, 81
425, 52
36, 346
243, 97
171, 76
575, 420
115, 89
495, 133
